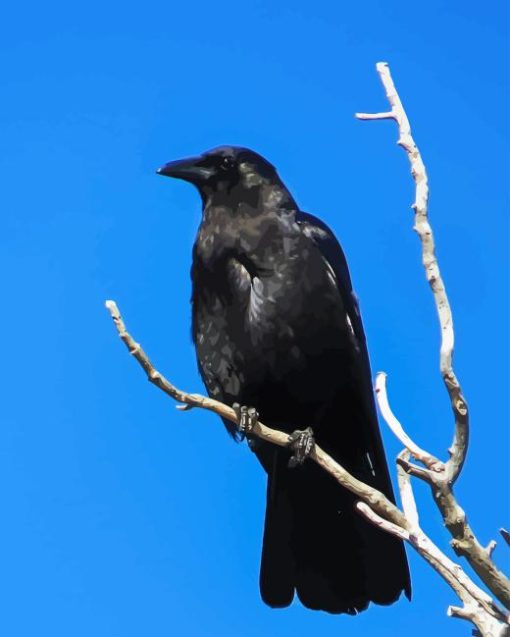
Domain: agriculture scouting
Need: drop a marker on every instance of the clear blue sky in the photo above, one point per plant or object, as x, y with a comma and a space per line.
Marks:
122, 517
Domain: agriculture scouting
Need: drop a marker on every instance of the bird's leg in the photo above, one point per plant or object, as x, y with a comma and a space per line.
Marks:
246, 418
301, 443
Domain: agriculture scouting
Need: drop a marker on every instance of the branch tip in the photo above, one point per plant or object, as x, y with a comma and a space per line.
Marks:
505, 535
461, 613
490, 547
184, 407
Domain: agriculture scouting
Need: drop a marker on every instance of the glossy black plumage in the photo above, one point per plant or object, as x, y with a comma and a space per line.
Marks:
276, 326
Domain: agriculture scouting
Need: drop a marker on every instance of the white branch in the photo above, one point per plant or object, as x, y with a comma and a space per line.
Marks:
459, 445
406, 492
394, 424
440, 476
373, 116
472, 595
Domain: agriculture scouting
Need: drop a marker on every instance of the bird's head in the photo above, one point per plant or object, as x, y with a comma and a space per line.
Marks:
224, 170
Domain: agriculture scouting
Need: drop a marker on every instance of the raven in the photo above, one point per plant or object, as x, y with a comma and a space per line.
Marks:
276, 326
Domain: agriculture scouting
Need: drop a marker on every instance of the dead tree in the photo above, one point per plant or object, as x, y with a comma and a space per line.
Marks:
487, 612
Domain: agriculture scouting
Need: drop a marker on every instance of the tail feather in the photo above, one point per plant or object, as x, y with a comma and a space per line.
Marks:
317, 546
278, 566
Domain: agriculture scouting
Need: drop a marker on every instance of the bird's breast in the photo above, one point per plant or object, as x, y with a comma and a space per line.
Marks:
274, 329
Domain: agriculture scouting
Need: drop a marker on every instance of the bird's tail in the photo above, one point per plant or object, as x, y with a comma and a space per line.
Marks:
317, 546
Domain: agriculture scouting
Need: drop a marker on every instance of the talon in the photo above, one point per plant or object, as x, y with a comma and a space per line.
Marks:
301, 443
246, 418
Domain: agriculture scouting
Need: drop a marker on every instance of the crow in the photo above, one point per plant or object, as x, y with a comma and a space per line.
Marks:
278, 333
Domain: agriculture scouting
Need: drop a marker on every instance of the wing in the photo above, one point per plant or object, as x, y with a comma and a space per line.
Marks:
333, 254
379, 476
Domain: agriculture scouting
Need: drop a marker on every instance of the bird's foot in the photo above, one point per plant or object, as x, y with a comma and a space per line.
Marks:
246, 418
302, 444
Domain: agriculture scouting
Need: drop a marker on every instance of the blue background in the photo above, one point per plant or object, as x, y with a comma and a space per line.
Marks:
121, 516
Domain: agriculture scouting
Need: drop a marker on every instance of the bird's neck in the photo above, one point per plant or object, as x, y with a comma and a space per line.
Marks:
241, 216
276, 197
249, 199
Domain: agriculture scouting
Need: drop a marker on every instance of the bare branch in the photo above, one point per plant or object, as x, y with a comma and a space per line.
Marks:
394, 424
406, 491
482, 608
486, 625
459, 445
378, 501
466, 544
462, 613
184, 407
505, 535
375, 506
377, 520
415, 470
373, 116
490, 547
464, 540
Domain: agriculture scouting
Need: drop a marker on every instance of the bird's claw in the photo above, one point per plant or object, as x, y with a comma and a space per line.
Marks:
247, 418
302, 444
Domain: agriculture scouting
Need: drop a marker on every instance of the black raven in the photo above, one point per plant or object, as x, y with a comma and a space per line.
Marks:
277, 327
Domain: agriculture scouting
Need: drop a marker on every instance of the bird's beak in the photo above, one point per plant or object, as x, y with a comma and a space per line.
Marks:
189, 169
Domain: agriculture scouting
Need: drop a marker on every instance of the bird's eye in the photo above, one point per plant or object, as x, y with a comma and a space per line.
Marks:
226, 163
